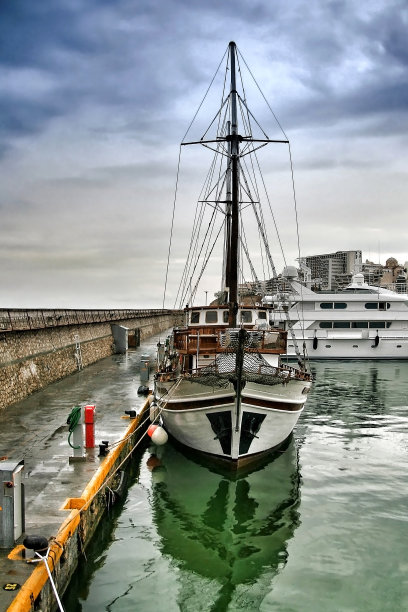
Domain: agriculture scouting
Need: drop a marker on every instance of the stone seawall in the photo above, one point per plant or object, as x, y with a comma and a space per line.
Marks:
32, 359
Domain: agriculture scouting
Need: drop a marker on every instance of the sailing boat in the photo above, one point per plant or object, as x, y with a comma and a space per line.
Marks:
220, 386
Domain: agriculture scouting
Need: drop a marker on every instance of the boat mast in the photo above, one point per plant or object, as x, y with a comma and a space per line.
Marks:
232, 253
227, 240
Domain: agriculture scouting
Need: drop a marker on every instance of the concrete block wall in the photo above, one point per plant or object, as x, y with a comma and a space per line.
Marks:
32, 359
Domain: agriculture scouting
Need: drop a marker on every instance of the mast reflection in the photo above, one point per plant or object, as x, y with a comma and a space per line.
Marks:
228, 533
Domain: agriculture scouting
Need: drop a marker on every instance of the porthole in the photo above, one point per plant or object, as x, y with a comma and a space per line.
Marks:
355, 345
328, 345
399, 345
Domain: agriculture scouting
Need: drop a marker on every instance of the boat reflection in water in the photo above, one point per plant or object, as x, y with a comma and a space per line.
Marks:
230, 529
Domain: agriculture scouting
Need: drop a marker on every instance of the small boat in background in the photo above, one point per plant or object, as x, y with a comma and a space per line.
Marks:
221, 386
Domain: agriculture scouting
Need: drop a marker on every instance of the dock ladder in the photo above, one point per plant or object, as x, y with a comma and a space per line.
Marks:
78, 352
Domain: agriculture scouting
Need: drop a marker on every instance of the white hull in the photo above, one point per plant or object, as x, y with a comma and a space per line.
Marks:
353, 348
206, 420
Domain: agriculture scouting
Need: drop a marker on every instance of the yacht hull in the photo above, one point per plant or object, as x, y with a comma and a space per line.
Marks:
353, 348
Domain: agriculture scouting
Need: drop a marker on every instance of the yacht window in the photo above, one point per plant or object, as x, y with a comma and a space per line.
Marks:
399, 345
326, 304
388, 323
325, 324
341, 324
377, 305
261, 314
225, 315
359, 324
195, 316
211, 316
339, 305
376, 324
246, 316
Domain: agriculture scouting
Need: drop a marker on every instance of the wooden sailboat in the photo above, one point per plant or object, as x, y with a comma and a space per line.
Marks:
221, 387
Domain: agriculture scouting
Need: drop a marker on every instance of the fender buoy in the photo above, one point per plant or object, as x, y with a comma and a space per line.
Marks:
151, 429
377, 340
159, 436
315, 343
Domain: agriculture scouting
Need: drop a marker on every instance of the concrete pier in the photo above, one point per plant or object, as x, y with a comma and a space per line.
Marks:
65, 500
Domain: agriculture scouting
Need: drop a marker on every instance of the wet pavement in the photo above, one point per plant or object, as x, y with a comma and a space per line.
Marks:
36, 430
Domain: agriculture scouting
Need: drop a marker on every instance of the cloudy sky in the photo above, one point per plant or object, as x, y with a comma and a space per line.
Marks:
96, 96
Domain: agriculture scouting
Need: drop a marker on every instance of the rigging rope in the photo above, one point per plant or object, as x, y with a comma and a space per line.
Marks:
171, 228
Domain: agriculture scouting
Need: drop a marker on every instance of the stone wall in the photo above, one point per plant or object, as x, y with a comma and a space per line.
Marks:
32, 359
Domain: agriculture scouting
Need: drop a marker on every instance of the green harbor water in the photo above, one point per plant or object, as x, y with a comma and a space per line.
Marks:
322, 526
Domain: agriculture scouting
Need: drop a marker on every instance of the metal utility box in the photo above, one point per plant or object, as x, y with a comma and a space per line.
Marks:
11, 502
144, 368
120, 338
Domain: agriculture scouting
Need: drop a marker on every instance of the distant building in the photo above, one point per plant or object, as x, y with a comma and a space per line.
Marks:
391, 276
333, 270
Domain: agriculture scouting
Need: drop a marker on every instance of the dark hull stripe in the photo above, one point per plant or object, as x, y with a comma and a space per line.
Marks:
276, 405
248, 401
205, 403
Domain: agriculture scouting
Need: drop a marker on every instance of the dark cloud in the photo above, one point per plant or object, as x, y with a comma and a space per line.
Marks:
96, 96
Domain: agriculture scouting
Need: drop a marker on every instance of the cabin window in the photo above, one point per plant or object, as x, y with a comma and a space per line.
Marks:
326, 304
355, 345
211, 316
399, 345
341, 324
359, 324
246, 316
325, 324
377, 324
340, 305
225, 316
262, 315
377, 305
195, 316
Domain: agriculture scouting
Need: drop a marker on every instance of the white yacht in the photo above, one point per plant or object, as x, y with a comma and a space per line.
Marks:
357, 322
